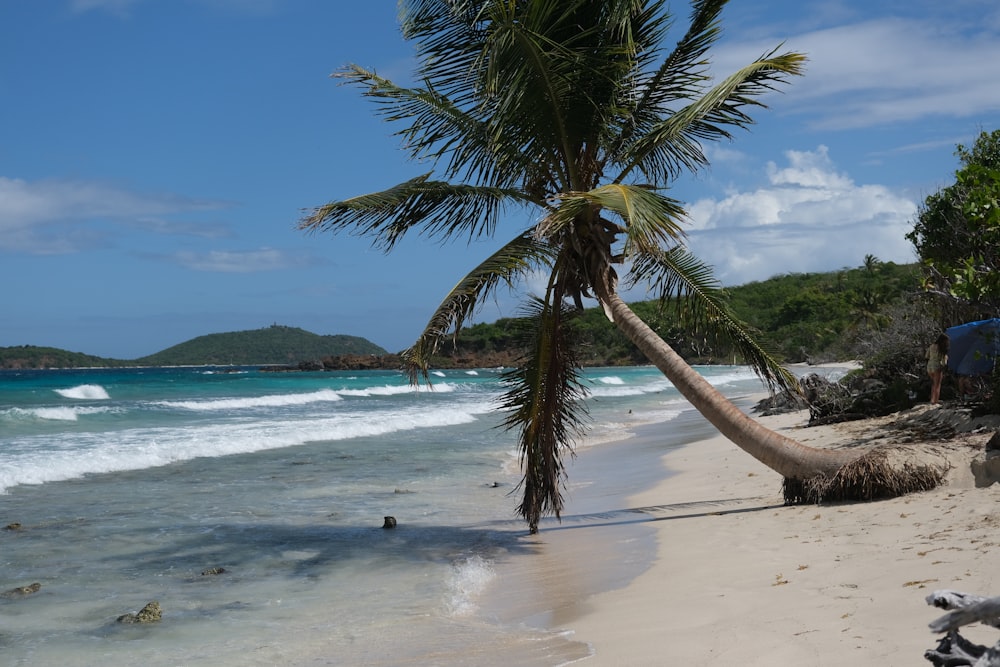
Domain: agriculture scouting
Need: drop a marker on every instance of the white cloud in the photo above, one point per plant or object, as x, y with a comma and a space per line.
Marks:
810, 218
31, 212
888, 69
225, 261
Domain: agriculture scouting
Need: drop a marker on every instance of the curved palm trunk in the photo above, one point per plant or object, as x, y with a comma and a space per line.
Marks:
785, 456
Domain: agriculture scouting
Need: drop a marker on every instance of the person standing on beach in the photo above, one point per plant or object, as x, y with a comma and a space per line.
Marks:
937, 360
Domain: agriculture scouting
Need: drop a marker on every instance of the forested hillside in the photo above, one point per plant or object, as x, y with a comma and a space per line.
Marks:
801, 317
272, 345
32, 356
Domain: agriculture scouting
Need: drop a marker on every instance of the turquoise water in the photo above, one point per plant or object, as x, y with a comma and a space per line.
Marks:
129, 483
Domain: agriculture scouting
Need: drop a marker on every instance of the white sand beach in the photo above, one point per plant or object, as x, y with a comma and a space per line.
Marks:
739, 579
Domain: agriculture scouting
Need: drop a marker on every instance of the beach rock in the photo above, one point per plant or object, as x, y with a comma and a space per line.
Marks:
151, 613
390, 522
212, 571
22, 591
993, 444
12, 526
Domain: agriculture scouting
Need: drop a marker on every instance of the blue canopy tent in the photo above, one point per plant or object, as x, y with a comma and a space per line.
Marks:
974, 347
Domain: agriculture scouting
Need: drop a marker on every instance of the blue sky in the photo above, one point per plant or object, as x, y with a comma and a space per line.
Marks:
156, 155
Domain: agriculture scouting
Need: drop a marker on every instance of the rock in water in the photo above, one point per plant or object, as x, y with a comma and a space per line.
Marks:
151, 613
390, 522
22, 591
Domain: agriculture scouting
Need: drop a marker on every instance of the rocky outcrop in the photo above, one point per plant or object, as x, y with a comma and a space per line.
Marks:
22, 591
151, 613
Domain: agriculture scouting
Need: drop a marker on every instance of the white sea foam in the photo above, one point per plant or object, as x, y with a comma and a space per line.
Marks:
67, 413
40, 459
90, 392
467, 581
622, 390
438, 373
396, 390
610, 379
271, 401
472, 372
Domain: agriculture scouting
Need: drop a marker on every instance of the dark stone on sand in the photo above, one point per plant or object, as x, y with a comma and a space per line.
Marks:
993, 444
12, 526
22, 591
390, 522
212, 571
151, 613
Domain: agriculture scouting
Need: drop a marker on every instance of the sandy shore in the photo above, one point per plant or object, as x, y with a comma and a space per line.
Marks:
739, 579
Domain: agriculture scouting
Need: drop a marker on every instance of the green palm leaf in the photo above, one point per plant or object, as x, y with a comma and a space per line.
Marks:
502, 267
673, 145
438, 208
681, 279
651, 219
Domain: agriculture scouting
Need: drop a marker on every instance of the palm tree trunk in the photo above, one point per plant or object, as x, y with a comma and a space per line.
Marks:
785, 456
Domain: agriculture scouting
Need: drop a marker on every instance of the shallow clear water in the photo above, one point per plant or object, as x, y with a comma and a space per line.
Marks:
128, 484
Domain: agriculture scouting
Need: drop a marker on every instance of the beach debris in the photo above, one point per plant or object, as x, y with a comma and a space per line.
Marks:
953, 649
883, 472
22, 591
212, 571
151, 613
390, 522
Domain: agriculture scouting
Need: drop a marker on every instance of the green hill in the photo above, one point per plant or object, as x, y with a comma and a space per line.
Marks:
32, 356
272, 345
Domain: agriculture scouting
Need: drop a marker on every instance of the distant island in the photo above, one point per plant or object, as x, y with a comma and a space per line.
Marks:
275, 345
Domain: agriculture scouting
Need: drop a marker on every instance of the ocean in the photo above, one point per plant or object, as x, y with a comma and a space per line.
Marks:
250, 506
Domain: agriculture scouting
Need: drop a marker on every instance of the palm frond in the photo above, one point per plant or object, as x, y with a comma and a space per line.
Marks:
651, 220
673, 145
441, 210
680, 76
502, 267
545, 408
438, 128
681, 279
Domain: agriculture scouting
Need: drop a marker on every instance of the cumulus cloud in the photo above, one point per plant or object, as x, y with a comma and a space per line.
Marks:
61, 216
809, 217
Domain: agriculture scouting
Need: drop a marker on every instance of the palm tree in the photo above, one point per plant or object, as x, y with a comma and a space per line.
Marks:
571, 108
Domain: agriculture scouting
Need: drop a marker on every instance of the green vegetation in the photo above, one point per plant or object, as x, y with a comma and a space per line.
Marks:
272, 345
819, 316
31, 356
957, 235
800, 317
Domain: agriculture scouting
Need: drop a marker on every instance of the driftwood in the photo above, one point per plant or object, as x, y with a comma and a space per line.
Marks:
954, 650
